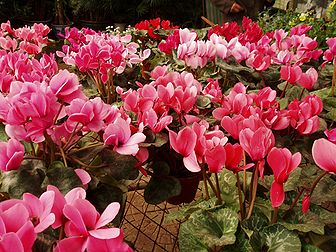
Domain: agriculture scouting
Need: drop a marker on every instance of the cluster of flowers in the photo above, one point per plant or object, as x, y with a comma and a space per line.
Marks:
251, 46
60, 111
30, 39
100, 55
248, 118
155, 24
84, 228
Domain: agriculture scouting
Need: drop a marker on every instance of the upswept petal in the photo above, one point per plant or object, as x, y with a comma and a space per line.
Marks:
324, 153
190, 162
108, 215
105, 233
277, 194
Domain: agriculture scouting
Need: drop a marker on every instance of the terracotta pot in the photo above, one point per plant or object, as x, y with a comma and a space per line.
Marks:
189, 186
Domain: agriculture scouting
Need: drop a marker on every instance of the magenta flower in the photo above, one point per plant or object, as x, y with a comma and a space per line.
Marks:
308, 79
86, 231
331, 135
184, 143
118, 134
66, 87
234, 157
16, 230
282, 163
324, 153
290, 73
11, 155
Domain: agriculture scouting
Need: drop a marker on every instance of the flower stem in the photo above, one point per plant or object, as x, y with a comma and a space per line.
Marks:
294, 202
316, 182
284, 91
64, 157
253, 190
206, 191
219, 196
242, 209
275, 215
301, 94
332, 93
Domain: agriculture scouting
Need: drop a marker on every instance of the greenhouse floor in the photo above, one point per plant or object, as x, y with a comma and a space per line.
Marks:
144, 225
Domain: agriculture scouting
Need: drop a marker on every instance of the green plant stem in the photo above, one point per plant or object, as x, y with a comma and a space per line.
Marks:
219, 196
206, 191
296, 199
275, 215
262, 79
301, 94
253, 190
316, 182
332, 93
294, 202
87, 147
33, 148
213, 188
240, 197
61, 233
64, 157
84, 164
284, 91
245, 177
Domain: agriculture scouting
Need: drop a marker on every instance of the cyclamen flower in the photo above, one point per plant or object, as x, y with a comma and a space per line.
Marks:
65, 86
118, 134
11, 155
282, 163
184, 143
324, 153
17, 231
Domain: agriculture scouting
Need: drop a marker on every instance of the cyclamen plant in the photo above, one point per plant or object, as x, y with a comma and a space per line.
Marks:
243, 142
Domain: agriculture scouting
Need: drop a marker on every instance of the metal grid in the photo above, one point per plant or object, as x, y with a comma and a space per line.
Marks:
144, 226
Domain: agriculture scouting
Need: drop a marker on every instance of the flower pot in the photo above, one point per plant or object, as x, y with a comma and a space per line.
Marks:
189, 186
94, 25
59, 30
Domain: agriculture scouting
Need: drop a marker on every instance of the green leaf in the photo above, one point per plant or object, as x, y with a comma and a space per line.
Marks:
3, 135
275, 238
203, 102
283, 103
310, 248
308, 222
160, 139
104, 194
161, 188
120, 167
322, 93
26, 179
255, 223
64, 178
242, 244
211, 228
329, 103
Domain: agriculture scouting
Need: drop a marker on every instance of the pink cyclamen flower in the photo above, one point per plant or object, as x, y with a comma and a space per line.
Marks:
290, 73
257, 144
16, 230
282, 163
184, 143
118, 134
66, 87
308, 79
234, 156
331, 134
324, 153
11, 155
86, 229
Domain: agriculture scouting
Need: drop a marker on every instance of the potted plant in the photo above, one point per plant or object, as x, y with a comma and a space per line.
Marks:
30, 12
93, 14
61, 19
